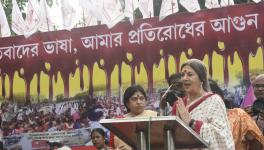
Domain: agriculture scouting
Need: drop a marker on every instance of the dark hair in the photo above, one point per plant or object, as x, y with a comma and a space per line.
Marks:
99, 130
217, 90
55, 144
198, 66
174, 78
1, 145
130, 91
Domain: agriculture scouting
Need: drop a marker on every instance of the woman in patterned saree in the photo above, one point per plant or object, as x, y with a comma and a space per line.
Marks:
246, 134
202, 110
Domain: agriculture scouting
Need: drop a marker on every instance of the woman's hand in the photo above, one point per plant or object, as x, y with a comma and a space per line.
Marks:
122, 147
182, 111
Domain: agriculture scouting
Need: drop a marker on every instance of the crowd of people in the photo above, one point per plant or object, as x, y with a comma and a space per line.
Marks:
198, 102
56, 117
44, 117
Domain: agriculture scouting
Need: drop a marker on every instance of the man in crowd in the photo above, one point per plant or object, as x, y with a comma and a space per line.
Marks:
258, 85
258, 106
170, 95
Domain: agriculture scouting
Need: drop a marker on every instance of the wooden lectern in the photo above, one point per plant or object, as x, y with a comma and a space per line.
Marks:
155, 133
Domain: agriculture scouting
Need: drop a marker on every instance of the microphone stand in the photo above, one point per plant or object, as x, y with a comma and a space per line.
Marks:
165, 111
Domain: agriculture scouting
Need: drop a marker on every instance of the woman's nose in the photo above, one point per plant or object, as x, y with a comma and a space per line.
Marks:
139, 100
184, 77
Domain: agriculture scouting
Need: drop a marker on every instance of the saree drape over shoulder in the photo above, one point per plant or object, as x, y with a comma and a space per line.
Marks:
241, 124
212, 123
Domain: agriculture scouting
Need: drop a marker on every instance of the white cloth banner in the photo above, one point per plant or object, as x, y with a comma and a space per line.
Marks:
88, 16
95, 7
130, 7
33, 17
146, 8
18, 22
68, 15
227, 3
256, 1
168, 7
111, 12
212, 4
56, 15
47, 23
190, 5
4, 27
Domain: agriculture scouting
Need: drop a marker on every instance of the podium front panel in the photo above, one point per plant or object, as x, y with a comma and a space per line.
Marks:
155, 128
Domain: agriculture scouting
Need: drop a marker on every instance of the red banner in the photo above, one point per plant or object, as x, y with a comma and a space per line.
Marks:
240, 27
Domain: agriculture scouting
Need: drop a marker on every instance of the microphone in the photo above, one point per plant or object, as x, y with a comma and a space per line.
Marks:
168, 89
168, 98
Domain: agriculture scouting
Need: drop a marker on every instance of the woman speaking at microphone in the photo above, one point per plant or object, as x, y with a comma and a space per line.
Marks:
202, 110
